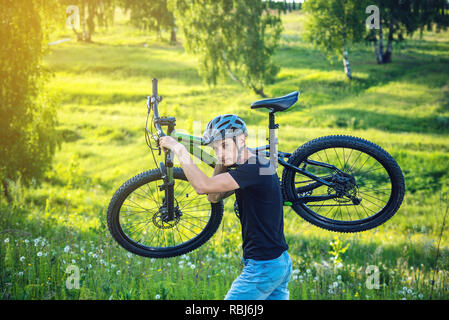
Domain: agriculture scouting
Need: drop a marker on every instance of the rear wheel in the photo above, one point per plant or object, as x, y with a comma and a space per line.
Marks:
368, 189
138, 221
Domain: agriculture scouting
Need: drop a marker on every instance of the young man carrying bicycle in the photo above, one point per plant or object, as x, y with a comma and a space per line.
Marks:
267, 265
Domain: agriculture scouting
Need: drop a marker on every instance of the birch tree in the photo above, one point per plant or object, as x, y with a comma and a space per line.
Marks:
333, 25
151, 15
27, 115
399, 19
92, 14
235, 38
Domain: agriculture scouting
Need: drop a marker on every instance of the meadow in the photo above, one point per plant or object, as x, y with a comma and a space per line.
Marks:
58, 228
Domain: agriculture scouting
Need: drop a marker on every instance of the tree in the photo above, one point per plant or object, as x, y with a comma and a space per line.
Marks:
333, 25
231, 37
92, 13
27, 116
151, 15
397, 19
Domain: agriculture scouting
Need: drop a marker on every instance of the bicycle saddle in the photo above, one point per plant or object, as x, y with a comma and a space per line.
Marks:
277, 104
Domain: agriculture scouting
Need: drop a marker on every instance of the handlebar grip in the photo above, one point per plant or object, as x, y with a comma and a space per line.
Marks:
154, 87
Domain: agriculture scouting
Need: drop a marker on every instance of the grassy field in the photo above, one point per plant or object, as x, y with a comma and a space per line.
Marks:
101, 89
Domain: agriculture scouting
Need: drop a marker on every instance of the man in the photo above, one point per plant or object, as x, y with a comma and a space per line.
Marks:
267, 265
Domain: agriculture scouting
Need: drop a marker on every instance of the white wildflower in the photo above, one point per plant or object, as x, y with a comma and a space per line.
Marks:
66, 249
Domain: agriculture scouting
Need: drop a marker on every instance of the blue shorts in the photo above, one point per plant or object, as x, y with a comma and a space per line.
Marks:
262, 280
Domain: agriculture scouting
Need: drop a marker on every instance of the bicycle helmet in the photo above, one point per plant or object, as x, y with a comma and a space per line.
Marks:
224, 126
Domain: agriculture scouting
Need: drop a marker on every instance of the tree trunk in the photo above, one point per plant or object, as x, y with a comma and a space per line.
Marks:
173, 36
380, 51
6, 191
79, 35
389, 51
90, 23
259, 91
376, 47
347, 65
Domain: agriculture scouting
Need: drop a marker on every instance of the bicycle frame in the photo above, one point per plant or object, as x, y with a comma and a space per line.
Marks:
193, 145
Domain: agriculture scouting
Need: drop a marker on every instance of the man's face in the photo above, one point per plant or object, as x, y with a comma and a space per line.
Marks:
225, 151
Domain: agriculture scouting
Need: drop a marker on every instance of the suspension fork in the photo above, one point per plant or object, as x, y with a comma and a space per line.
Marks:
169, 183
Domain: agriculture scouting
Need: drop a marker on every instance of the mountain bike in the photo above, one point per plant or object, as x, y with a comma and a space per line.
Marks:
339, 183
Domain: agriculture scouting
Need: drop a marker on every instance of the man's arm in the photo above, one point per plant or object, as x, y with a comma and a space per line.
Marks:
203, 184
216, 197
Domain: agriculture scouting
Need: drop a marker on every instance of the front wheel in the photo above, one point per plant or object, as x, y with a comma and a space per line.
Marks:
138, 221
367, 184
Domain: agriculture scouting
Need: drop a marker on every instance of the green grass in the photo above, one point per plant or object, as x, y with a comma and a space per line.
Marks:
403, 107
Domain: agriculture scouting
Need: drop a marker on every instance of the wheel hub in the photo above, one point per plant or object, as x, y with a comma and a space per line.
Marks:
162, 220
345, 187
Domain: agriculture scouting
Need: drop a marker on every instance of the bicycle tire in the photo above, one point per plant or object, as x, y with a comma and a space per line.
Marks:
115, 228
373, 150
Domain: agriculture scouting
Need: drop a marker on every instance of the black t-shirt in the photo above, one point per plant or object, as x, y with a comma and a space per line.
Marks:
260, 207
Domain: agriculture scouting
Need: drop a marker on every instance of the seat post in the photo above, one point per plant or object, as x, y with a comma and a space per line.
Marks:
273, 141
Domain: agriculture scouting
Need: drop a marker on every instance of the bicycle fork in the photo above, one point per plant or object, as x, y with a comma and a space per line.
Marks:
168, 207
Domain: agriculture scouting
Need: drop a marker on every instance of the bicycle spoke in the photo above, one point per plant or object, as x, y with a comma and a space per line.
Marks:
369, 184
144, 221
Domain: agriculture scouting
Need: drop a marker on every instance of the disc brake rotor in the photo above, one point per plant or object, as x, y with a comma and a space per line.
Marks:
160, 218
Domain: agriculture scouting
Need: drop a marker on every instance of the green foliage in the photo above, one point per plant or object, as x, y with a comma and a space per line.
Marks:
92, 14
150, 15
331, 24
27, 113
233, 37
338, 249
399, 19
104, 88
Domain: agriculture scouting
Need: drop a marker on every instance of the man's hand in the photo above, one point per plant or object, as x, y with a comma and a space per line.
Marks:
168, 142
198, 179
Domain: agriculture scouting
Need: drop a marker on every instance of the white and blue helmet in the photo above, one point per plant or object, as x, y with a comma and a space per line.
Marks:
224, 126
